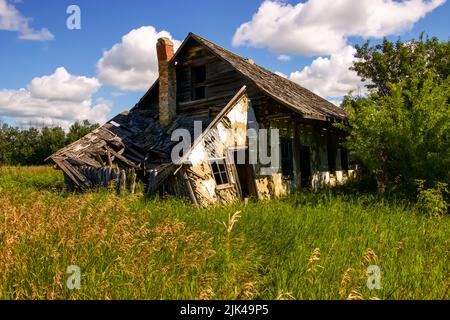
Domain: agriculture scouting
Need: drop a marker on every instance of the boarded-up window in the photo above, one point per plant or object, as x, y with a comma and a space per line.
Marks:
287, 163
198, 82
220, 172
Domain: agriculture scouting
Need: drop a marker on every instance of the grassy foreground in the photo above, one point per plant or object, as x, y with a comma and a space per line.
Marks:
315, 246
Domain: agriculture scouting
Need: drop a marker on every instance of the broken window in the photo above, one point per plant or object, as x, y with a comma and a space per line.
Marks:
198, 82
287, 163
220, 172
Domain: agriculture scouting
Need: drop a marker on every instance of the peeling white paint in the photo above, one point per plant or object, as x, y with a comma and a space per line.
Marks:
320, 179
239, 113
224, 134
339, 176
198, 155
210, 187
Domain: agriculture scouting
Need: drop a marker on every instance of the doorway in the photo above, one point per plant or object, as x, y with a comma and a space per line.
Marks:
305, 166
244, 173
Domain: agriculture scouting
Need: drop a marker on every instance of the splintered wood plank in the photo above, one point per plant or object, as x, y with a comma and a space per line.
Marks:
77, 174
122, 181
108, 154
122, 158
152, 182
132, 181
90, 162
63, 167
190, 190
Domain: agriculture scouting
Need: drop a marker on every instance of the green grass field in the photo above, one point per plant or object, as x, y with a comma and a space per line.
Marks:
309, 246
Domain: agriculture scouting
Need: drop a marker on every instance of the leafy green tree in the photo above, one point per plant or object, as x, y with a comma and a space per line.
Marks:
33, 146
50, 141
79, 130
400, 131
6, 144
390, 63
25, 149
405, 135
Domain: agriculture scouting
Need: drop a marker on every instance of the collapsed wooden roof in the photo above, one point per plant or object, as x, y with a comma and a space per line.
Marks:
132, 139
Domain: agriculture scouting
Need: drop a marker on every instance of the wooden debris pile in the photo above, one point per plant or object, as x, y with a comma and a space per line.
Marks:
126, 149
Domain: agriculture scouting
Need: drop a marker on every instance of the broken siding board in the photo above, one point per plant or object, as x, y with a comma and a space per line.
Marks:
74, 175
68, 173
190, 189
222, 80
122, 182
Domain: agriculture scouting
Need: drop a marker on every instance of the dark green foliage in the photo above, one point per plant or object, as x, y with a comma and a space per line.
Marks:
400, 131
33, 146
79, 130
390, 63
433, 201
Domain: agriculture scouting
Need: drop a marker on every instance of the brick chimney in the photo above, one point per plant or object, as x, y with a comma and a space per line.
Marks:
167, 81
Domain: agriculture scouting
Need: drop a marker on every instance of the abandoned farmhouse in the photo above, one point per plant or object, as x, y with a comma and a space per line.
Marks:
203, 83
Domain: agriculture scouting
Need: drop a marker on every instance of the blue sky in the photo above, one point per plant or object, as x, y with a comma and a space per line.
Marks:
105, 22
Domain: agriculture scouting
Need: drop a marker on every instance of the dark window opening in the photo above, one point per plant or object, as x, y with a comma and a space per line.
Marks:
220, 172
344, 159
199, 74
332, 153
287, 163
198, 82
199, 93
305, 167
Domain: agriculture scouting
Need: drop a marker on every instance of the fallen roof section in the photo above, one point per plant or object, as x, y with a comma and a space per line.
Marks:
131, 140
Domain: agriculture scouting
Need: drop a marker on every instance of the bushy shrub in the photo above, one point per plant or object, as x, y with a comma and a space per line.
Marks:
433, 201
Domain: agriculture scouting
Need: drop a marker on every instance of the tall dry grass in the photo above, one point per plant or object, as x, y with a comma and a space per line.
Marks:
315, 246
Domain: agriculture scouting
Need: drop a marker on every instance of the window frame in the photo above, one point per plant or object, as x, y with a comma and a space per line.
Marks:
220, 162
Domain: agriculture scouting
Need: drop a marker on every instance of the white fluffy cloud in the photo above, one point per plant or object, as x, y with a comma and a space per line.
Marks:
12, 20
132, 64
63, 86
322, 27
284, 57
330, 77
57, 99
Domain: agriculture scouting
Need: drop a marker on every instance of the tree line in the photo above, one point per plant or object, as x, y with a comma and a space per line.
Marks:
33, 146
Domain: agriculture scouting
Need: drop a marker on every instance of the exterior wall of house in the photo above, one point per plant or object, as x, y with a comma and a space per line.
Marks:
228, 134
221, 83
217, 143
314, 137
275, 184
321, 141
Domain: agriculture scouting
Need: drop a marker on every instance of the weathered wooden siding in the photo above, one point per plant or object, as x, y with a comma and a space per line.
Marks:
229, 133
303, 133
222, 82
